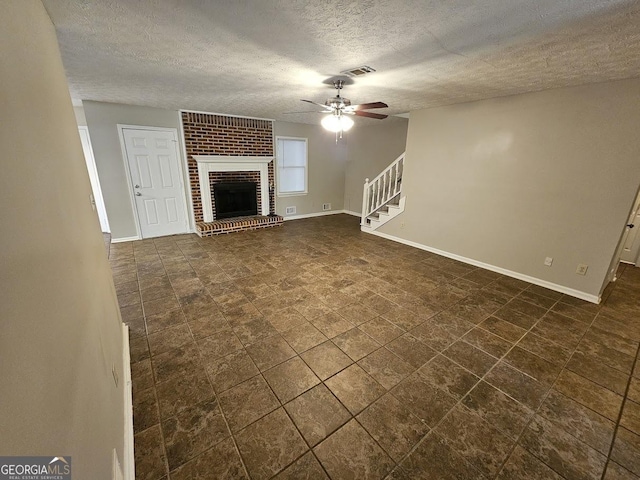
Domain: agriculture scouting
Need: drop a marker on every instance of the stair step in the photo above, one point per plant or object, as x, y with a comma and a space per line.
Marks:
385, 213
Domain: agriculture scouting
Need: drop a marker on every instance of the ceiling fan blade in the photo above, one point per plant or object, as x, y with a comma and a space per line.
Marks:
368, 106
315, 103
370, 115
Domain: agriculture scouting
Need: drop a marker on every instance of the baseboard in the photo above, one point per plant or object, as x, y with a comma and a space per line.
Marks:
631, 264
310, 215
355, 214
124, 239
509, 273
128, 462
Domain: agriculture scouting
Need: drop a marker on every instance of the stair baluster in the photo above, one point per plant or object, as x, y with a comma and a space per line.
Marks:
383, 191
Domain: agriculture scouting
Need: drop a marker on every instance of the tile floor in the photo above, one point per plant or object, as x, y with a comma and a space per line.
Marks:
314, 351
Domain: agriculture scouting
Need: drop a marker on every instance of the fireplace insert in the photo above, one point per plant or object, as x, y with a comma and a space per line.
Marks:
235, 199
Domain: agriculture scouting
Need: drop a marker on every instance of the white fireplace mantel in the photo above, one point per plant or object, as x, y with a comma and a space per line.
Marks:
224, 163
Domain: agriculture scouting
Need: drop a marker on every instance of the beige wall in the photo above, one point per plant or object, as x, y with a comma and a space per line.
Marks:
370, 149
61, 329
327, 162
513, 180
363, 151
102, 120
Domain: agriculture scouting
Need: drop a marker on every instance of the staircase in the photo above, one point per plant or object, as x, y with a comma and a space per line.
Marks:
382, 198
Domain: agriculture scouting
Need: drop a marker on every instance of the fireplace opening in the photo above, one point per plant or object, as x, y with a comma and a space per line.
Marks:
235, 199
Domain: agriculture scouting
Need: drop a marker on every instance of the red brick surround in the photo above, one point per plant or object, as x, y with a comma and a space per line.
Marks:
208, 134
238, 224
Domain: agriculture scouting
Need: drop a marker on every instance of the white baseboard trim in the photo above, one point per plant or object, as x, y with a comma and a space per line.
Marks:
128, 462
124, 239
310, 215
349, 212
509, 273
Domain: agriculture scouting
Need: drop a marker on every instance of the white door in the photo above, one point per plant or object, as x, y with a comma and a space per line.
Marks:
98, 201
631, 239
155, 177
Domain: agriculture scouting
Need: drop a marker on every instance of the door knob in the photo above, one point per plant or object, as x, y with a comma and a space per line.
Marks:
136, 186
630, 225
138, 194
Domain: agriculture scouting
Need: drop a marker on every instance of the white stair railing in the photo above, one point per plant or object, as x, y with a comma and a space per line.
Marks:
382, 189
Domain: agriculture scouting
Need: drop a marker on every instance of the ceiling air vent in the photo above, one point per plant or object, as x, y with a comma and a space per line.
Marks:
358, 71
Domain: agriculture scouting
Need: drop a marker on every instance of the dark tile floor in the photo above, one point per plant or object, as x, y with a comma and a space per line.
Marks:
313, 350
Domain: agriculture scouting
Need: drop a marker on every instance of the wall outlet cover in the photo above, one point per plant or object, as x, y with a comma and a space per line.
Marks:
326, 206
548, 261
582, 269
290, 210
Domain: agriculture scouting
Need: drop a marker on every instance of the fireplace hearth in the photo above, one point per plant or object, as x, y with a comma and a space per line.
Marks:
235, 199
211, 172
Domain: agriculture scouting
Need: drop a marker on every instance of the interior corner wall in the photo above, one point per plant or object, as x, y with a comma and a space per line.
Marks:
61, 328
370, 149
81, 120
512, 180
102, 121
327, 162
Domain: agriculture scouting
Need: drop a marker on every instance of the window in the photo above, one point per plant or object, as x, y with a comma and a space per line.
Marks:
291, 158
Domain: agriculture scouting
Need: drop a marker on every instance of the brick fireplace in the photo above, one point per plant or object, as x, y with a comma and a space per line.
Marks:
225, 149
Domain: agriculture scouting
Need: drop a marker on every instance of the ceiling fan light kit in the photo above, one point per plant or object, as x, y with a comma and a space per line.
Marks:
337, 123
339, 108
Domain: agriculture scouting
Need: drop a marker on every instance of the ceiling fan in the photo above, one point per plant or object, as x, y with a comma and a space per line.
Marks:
338, 107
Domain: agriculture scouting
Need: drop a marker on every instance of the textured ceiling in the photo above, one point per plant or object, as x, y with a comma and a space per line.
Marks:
260, 57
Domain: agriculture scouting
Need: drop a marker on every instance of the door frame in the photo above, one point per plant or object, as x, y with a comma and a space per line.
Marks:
615, 261
632, 216
101, 208
121, 128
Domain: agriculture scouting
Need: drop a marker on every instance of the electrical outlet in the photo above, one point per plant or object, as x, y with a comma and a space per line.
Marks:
548, 261
290, 210
582, 269
401, 224
326, 206
115, 374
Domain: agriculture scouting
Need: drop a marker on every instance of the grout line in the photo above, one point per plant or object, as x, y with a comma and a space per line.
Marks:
260, 373
459, 401
153, 375
564, 367
322, 382
619, 419
201, 358
481, 378
208, 380
543, 400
